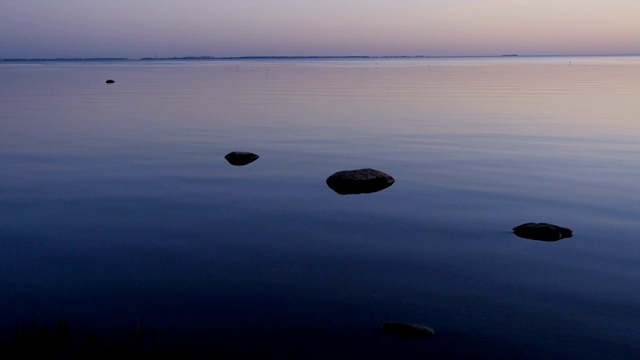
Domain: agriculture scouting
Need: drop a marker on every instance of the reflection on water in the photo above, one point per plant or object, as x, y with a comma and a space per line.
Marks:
361, 181
240, 158
542, 231
116, 205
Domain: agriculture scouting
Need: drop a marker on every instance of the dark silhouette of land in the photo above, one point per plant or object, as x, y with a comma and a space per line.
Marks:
208, 58
61, 59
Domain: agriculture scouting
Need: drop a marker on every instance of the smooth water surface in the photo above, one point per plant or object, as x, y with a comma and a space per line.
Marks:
118, 207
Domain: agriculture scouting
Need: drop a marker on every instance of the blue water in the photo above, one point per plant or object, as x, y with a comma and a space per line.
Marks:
117, 205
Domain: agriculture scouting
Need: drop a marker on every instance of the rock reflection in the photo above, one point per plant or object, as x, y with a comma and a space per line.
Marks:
542, 232
240, 158
362, 181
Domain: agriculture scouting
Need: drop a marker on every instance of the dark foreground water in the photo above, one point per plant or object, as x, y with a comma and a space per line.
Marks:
118, 209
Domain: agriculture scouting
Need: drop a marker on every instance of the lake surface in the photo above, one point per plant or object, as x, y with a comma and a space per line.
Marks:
118, 207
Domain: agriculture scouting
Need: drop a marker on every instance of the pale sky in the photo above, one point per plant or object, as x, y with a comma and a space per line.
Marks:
167, 28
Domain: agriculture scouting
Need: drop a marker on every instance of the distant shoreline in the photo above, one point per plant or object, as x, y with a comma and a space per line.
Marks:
213, 58
357, 57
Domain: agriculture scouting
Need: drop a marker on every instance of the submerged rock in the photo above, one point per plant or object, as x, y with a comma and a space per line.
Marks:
542, 231
110, 81
362, 181
240, 158
404, 330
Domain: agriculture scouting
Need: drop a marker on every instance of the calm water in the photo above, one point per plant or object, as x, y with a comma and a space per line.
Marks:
117, 205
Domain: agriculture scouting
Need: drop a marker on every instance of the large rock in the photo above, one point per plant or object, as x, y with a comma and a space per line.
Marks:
404, 330
362, 181
542, 231
240, 158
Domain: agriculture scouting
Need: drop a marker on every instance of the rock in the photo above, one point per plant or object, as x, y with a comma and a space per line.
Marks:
110, 81
362, 181
404, 330
240, 158
542, 231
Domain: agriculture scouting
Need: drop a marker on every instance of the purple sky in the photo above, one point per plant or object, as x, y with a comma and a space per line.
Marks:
142, 28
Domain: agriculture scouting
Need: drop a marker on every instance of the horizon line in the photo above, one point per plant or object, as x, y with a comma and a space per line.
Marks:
257, 57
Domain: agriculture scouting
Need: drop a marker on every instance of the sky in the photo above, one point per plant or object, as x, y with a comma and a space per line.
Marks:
176, 28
